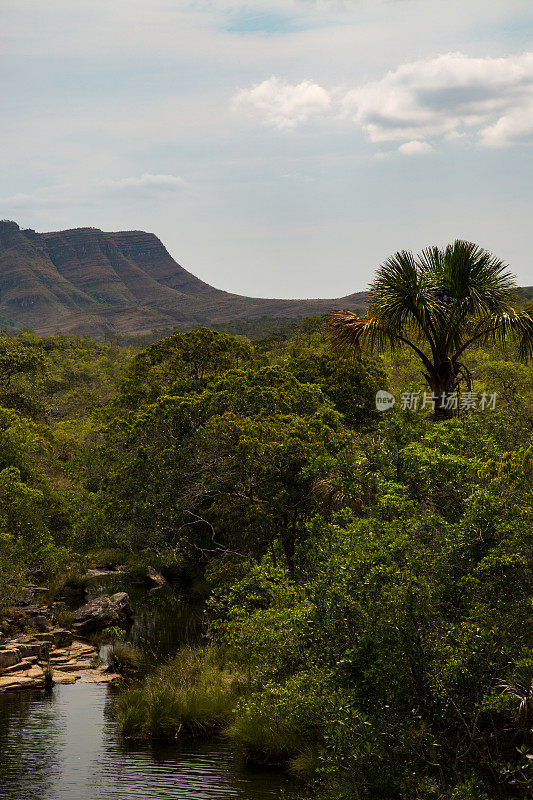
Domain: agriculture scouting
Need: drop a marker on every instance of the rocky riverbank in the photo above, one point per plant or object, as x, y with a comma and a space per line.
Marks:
32, 661
35, 653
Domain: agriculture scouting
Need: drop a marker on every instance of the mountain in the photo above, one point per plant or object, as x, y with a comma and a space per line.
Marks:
89, 281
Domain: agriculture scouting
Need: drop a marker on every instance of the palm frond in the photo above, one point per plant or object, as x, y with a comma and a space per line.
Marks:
471, 279
400, 296
510, 325
349, 332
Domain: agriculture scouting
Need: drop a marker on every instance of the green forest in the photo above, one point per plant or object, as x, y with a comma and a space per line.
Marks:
367, 574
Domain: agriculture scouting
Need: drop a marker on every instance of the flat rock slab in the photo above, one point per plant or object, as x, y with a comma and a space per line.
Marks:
65, 678
25, 658
58, 637
101, 573
20, 682
94, 676
31, 678
73, 666
23, 665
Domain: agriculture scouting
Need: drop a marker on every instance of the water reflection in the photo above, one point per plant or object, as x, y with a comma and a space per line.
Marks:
163, 620
64, 746
29, 718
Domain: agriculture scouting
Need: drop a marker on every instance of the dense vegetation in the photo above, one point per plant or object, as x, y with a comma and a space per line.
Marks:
371, 573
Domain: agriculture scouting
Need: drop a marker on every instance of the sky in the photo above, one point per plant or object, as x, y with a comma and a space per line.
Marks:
278, 148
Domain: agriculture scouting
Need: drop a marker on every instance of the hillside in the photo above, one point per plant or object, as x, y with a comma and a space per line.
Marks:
93, 282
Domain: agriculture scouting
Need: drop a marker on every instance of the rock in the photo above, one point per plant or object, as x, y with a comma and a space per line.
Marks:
32, 611
31, 646
154, 578
33, 616
99, 676
100, 573
58, 637
61, 637
68, 663
23, 665
82, 649
32, 678
60, 652
64, 677
72, 666
103, 612
29, 592
8, 657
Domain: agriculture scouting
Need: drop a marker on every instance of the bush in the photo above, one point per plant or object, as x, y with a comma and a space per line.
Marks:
283, 724
192, 695
124, 659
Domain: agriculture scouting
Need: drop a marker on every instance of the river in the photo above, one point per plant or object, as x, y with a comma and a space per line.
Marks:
62, 744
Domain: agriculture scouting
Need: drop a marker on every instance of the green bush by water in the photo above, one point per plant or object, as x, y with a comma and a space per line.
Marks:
192, 695
124, 659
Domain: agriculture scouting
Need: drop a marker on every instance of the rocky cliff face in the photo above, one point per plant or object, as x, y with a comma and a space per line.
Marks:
88, 281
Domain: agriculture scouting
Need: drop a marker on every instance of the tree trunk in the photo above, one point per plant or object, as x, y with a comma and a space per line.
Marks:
442, 382
288, 544
287, 535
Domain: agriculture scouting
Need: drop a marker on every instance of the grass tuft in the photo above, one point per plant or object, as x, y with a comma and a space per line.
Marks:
193, 695
124, 659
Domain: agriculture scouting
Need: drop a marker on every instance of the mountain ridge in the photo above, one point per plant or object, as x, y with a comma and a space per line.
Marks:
89, 281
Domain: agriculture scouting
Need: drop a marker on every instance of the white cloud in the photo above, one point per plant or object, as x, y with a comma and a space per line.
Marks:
63, 194
415, 147
449, 94
281, 104
145, 181
516, 127
452, 96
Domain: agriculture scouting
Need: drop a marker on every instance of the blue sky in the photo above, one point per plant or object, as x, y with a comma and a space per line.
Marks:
280, 148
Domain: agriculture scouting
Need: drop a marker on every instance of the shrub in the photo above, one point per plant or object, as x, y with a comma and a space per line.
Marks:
283, 724
124, 659
192, 695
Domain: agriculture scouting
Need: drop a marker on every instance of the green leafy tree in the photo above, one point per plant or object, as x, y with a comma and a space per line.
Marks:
33, 518
237, 462
350, 383
21, 365
182, 362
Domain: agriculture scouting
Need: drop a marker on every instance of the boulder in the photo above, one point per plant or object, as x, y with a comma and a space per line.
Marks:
8, 657
154, 578
103, 612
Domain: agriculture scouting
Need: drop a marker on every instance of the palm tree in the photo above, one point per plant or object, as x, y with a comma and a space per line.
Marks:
521, 692
438, 303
